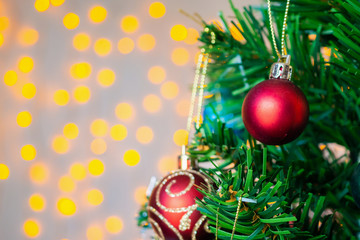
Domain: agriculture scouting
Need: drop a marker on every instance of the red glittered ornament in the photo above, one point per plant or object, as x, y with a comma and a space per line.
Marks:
275, 111
172, 208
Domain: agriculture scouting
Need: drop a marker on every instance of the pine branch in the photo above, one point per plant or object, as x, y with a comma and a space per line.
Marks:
267, 204
323, 41
300, 192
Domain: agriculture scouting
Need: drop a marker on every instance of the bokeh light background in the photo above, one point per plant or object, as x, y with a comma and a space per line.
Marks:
94, 100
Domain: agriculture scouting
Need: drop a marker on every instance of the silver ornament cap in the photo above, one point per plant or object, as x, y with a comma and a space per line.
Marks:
185, 162
281, 69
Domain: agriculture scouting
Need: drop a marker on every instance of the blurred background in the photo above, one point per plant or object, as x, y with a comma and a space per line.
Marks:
94, 101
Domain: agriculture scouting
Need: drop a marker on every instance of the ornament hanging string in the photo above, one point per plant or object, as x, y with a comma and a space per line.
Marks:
200, 74
201, 90
292, 108
283, 50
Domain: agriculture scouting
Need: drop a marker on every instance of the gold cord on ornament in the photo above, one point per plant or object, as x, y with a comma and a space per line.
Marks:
194, 91
236, 217
283, 50
202, 81
200, 74
201, 90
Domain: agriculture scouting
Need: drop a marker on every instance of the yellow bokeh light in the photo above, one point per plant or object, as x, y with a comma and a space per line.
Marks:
152, 103
180, 56
28, 152
71, 21
95, 197
78, 171
156, 74
71, 131
178, 32
94, 233
209, 95
37, 202
28, 90
98, 146
192, 36
236, 33
129, 24
28, 36
326, 52
169, 90
41, 5
80, 70
217, 23
99, 128
312, 37
144, 134
167, 164
157, 10
102, 47
66, 206
195, 119
96, 167
126, 45
1, 39
32, 228
140, 195
131, 157
57, 3
4, 171
182, 107
82, 94
66, 184
113, 224
24, 119
60, 144
322, 146
97, 14
61, 97
181, 137
39, 173
118, 132
124, 111
106, 77
10, 78
4, 23
146, 42
25, 64
81, 41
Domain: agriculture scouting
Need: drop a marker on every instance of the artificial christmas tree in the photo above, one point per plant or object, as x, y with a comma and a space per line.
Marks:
300, 190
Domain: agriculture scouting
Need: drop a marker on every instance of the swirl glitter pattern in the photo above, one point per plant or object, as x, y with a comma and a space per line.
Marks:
185, 221
161, 217
157, 227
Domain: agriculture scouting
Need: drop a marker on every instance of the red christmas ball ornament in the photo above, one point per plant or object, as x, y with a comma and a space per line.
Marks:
276, 111
172, 208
